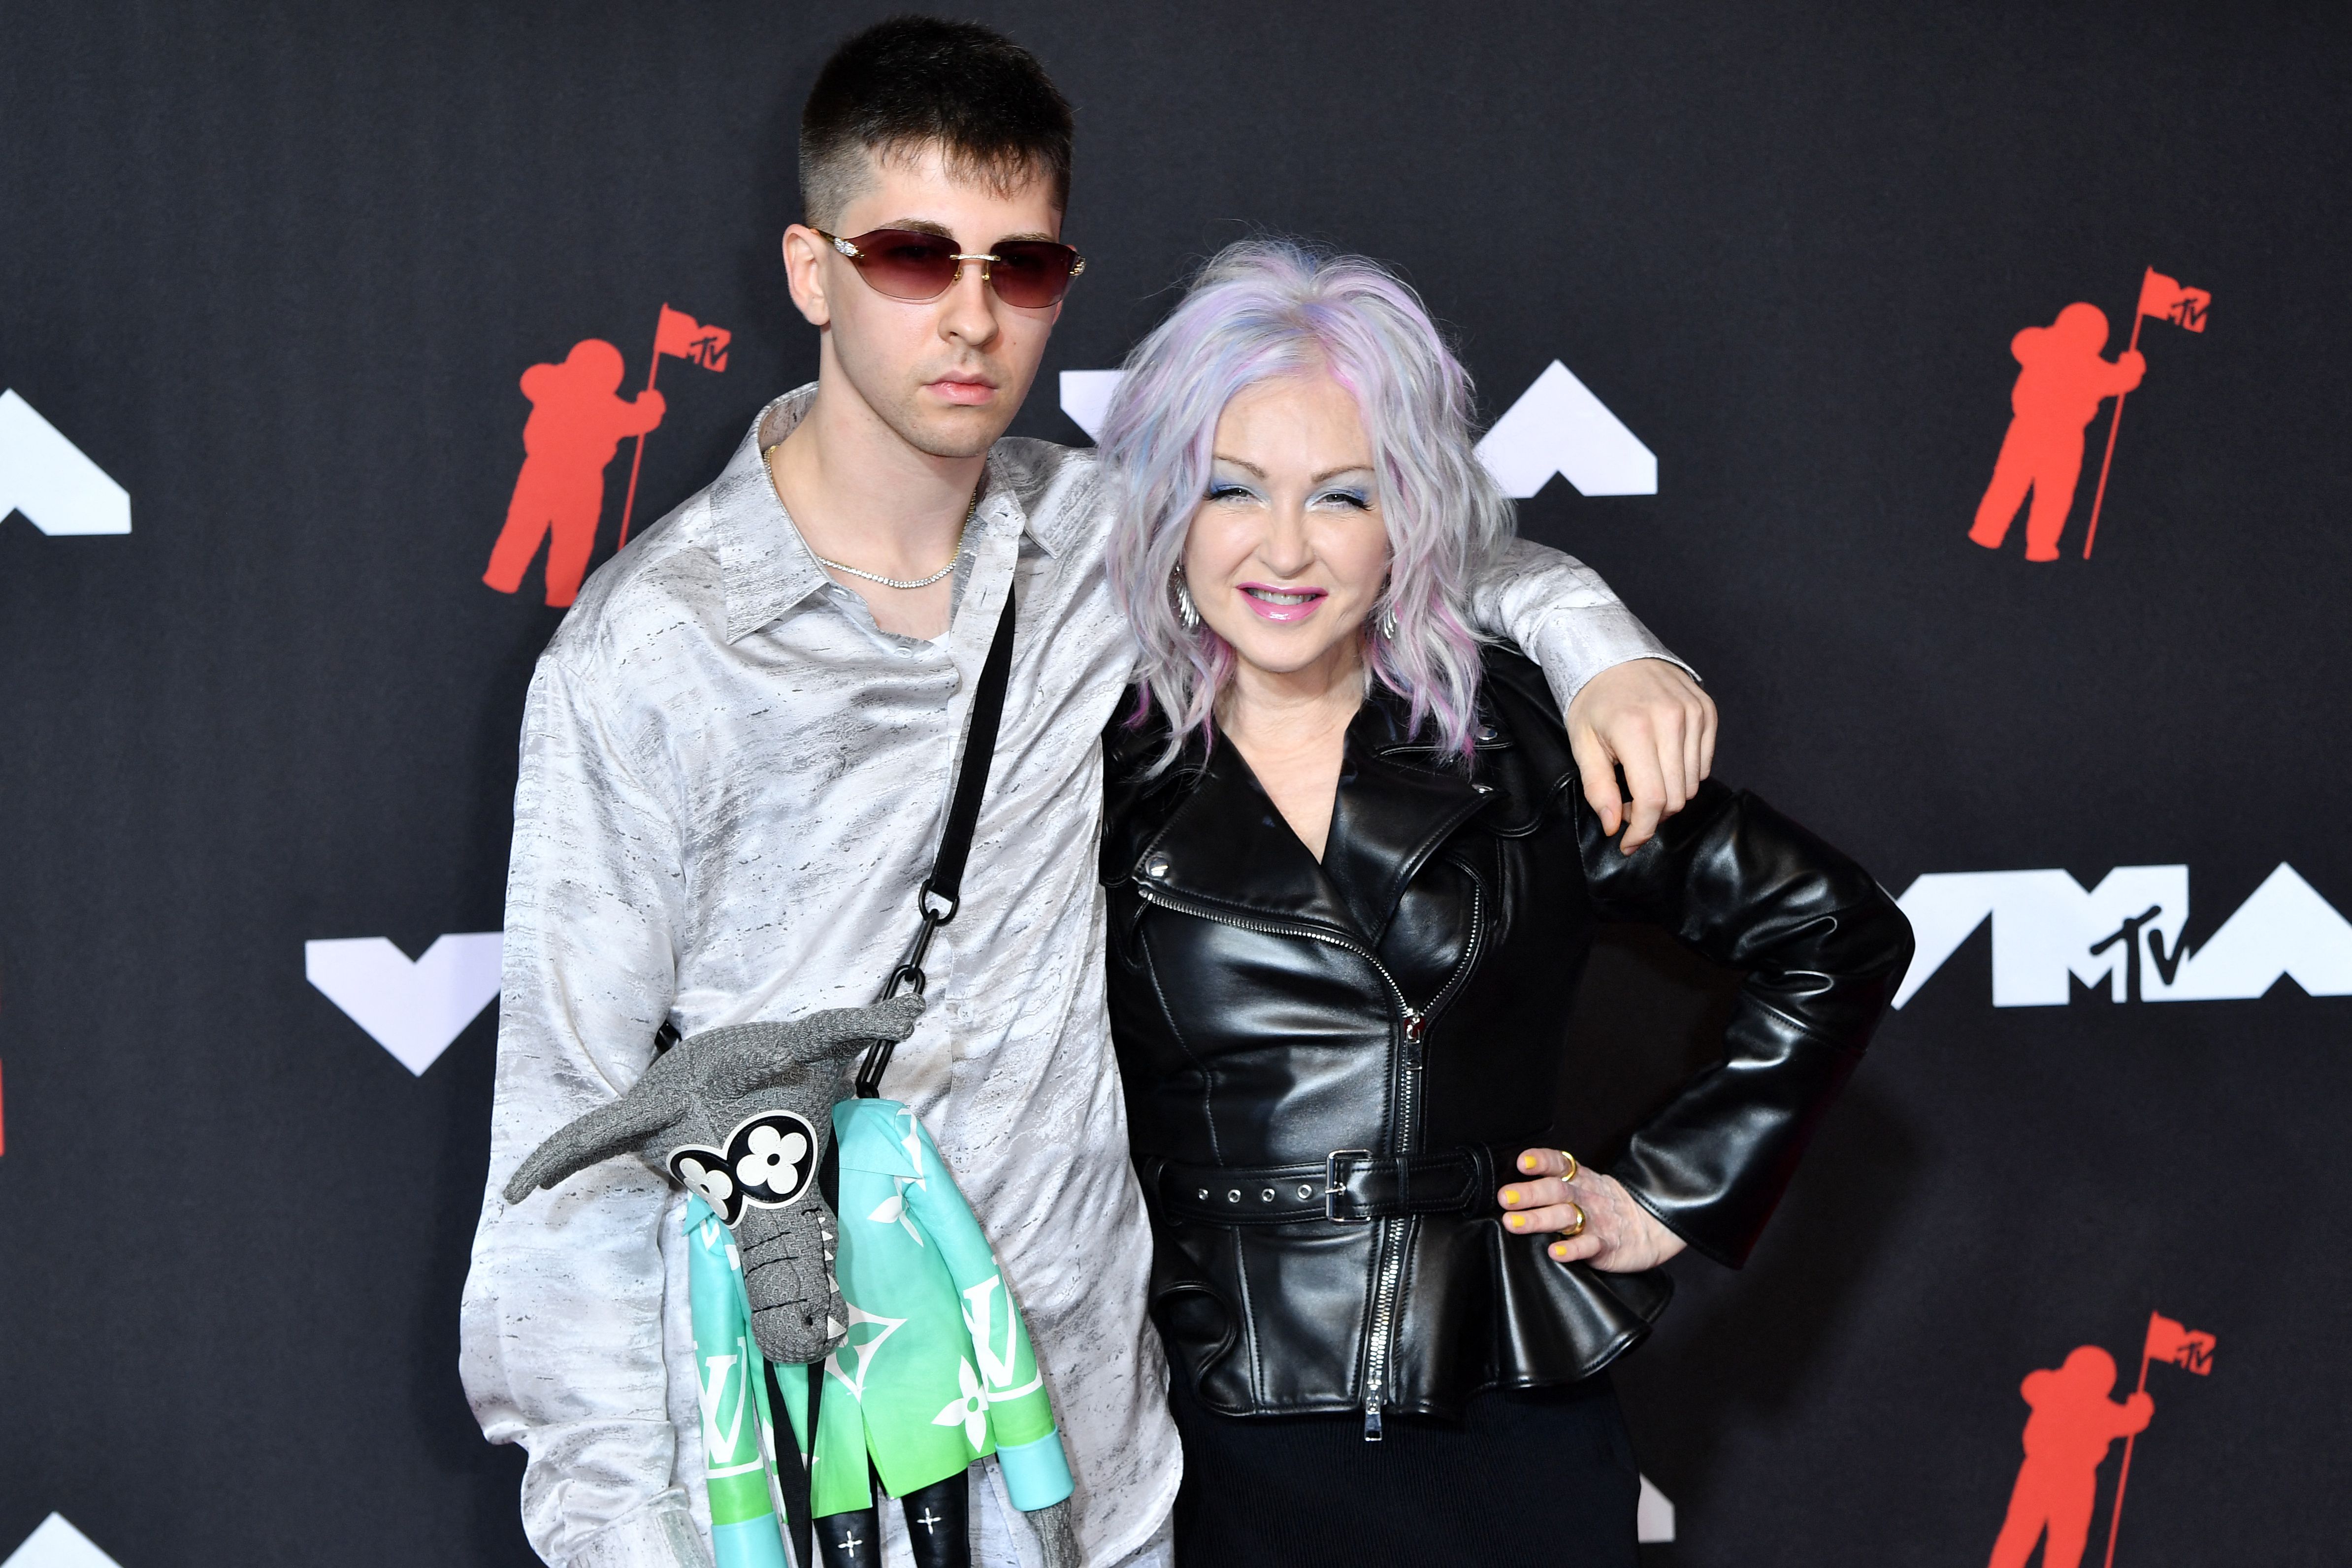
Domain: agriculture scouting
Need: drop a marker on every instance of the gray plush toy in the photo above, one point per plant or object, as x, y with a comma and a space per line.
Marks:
743, 1115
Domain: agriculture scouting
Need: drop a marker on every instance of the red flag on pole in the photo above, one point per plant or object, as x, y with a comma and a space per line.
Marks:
680, 336
2168, 299
2168, 1340
2165, 297
2184, 1348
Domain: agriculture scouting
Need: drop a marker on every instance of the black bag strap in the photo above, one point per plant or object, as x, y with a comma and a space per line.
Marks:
942, 891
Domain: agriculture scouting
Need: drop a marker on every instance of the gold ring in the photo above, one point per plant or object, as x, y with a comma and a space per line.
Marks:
1572, 1166
1577, 1229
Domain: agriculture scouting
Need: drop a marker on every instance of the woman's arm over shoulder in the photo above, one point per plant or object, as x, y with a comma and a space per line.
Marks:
1824, 948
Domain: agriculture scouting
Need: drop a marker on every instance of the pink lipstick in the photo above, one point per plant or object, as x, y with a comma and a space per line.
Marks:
1286, 606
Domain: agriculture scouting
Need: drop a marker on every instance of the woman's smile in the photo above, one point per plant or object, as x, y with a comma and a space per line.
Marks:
1285, 605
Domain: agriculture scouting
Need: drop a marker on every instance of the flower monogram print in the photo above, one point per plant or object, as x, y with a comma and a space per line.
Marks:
769, 1161
717, 1188
773, 1161
969, 1408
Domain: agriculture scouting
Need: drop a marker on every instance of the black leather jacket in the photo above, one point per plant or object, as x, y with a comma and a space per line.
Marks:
1329, 1070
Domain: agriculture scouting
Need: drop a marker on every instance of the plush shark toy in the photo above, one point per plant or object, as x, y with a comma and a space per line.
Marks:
743, 1115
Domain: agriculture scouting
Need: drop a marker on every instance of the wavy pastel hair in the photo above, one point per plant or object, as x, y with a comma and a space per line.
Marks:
1259, 310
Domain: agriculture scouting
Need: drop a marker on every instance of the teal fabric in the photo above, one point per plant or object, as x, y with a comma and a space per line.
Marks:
1036, 1475
937, 1370
738, 1444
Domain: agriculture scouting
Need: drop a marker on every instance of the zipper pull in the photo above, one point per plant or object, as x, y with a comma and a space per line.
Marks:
1372, 1419
1414, 1026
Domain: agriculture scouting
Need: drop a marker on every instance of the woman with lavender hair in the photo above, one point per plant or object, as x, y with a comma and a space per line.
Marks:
1353, 880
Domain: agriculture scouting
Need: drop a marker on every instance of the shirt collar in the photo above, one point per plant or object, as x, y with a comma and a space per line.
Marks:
767, 568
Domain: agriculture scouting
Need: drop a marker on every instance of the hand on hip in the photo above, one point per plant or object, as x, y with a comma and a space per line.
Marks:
1597, 1221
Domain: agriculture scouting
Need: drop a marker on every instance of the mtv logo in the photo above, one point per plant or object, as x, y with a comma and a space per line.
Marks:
2126, 933
48, 478
412, 1009
1557, 426
57, 1545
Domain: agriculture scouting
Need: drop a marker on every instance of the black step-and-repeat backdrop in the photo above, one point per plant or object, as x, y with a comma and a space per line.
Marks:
1957, 387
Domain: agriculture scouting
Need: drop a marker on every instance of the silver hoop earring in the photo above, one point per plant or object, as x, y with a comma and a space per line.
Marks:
1387, 622
1186, 611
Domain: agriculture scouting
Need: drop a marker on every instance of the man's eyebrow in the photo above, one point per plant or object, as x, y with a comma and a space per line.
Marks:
928, 226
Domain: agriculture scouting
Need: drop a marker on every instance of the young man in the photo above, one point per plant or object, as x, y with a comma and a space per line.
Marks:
735, 763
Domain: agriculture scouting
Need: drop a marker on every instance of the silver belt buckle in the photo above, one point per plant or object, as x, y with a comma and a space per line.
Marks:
1332, 1188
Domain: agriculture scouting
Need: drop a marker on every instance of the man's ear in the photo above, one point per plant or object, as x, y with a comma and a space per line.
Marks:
805, 272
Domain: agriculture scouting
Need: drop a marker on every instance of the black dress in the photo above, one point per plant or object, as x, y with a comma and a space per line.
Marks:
1331, 1068
1528, 1476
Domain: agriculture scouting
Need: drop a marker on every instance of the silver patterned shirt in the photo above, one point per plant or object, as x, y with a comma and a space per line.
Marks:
732, 784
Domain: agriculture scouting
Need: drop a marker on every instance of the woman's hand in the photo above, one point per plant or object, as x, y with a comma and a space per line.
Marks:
1617, 1234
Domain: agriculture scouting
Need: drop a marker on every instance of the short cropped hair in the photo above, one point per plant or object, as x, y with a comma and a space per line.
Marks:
1267, 309
918, 81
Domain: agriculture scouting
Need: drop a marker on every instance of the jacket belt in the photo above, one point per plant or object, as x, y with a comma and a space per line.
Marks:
1349, 1186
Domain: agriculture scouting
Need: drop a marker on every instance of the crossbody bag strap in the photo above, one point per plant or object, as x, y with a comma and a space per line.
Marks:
942, 891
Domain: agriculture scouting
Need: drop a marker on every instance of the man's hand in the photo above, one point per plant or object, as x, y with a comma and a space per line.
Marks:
1650, 719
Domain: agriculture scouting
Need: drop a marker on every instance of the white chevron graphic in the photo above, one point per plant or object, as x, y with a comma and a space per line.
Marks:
57, 1545
1557, 426
45, 477
1654, 1516
1085, 398
412, 1010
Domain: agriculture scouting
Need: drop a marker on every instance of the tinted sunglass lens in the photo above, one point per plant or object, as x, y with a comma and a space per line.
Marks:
905, 265
1030, 273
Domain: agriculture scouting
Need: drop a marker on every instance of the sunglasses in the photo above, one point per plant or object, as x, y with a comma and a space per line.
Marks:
904, 264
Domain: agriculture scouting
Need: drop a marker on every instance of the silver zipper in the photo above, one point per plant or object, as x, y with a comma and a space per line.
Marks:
1185, 906
1380, 1343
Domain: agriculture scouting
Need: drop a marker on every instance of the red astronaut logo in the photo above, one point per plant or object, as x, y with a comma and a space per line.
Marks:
578, 421
2073, 1424
2062, 378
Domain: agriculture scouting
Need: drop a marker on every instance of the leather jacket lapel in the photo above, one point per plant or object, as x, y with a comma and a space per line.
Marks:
1398, 803
1228, 847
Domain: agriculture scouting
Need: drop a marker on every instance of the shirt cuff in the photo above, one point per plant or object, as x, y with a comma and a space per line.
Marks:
662, 1534
1036, 1475
1577, 645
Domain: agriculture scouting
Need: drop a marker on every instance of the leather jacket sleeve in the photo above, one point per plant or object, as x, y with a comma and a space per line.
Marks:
1823, 948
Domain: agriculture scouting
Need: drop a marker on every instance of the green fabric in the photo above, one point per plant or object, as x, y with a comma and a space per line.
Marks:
937, 1369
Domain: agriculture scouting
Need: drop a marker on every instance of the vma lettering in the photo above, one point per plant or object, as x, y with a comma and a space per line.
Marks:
2127, 934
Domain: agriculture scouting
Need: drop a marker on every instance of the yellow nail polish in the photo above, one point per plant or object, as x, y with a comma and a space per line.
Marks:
1559, 1249
1514, 1220
1510, 1196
